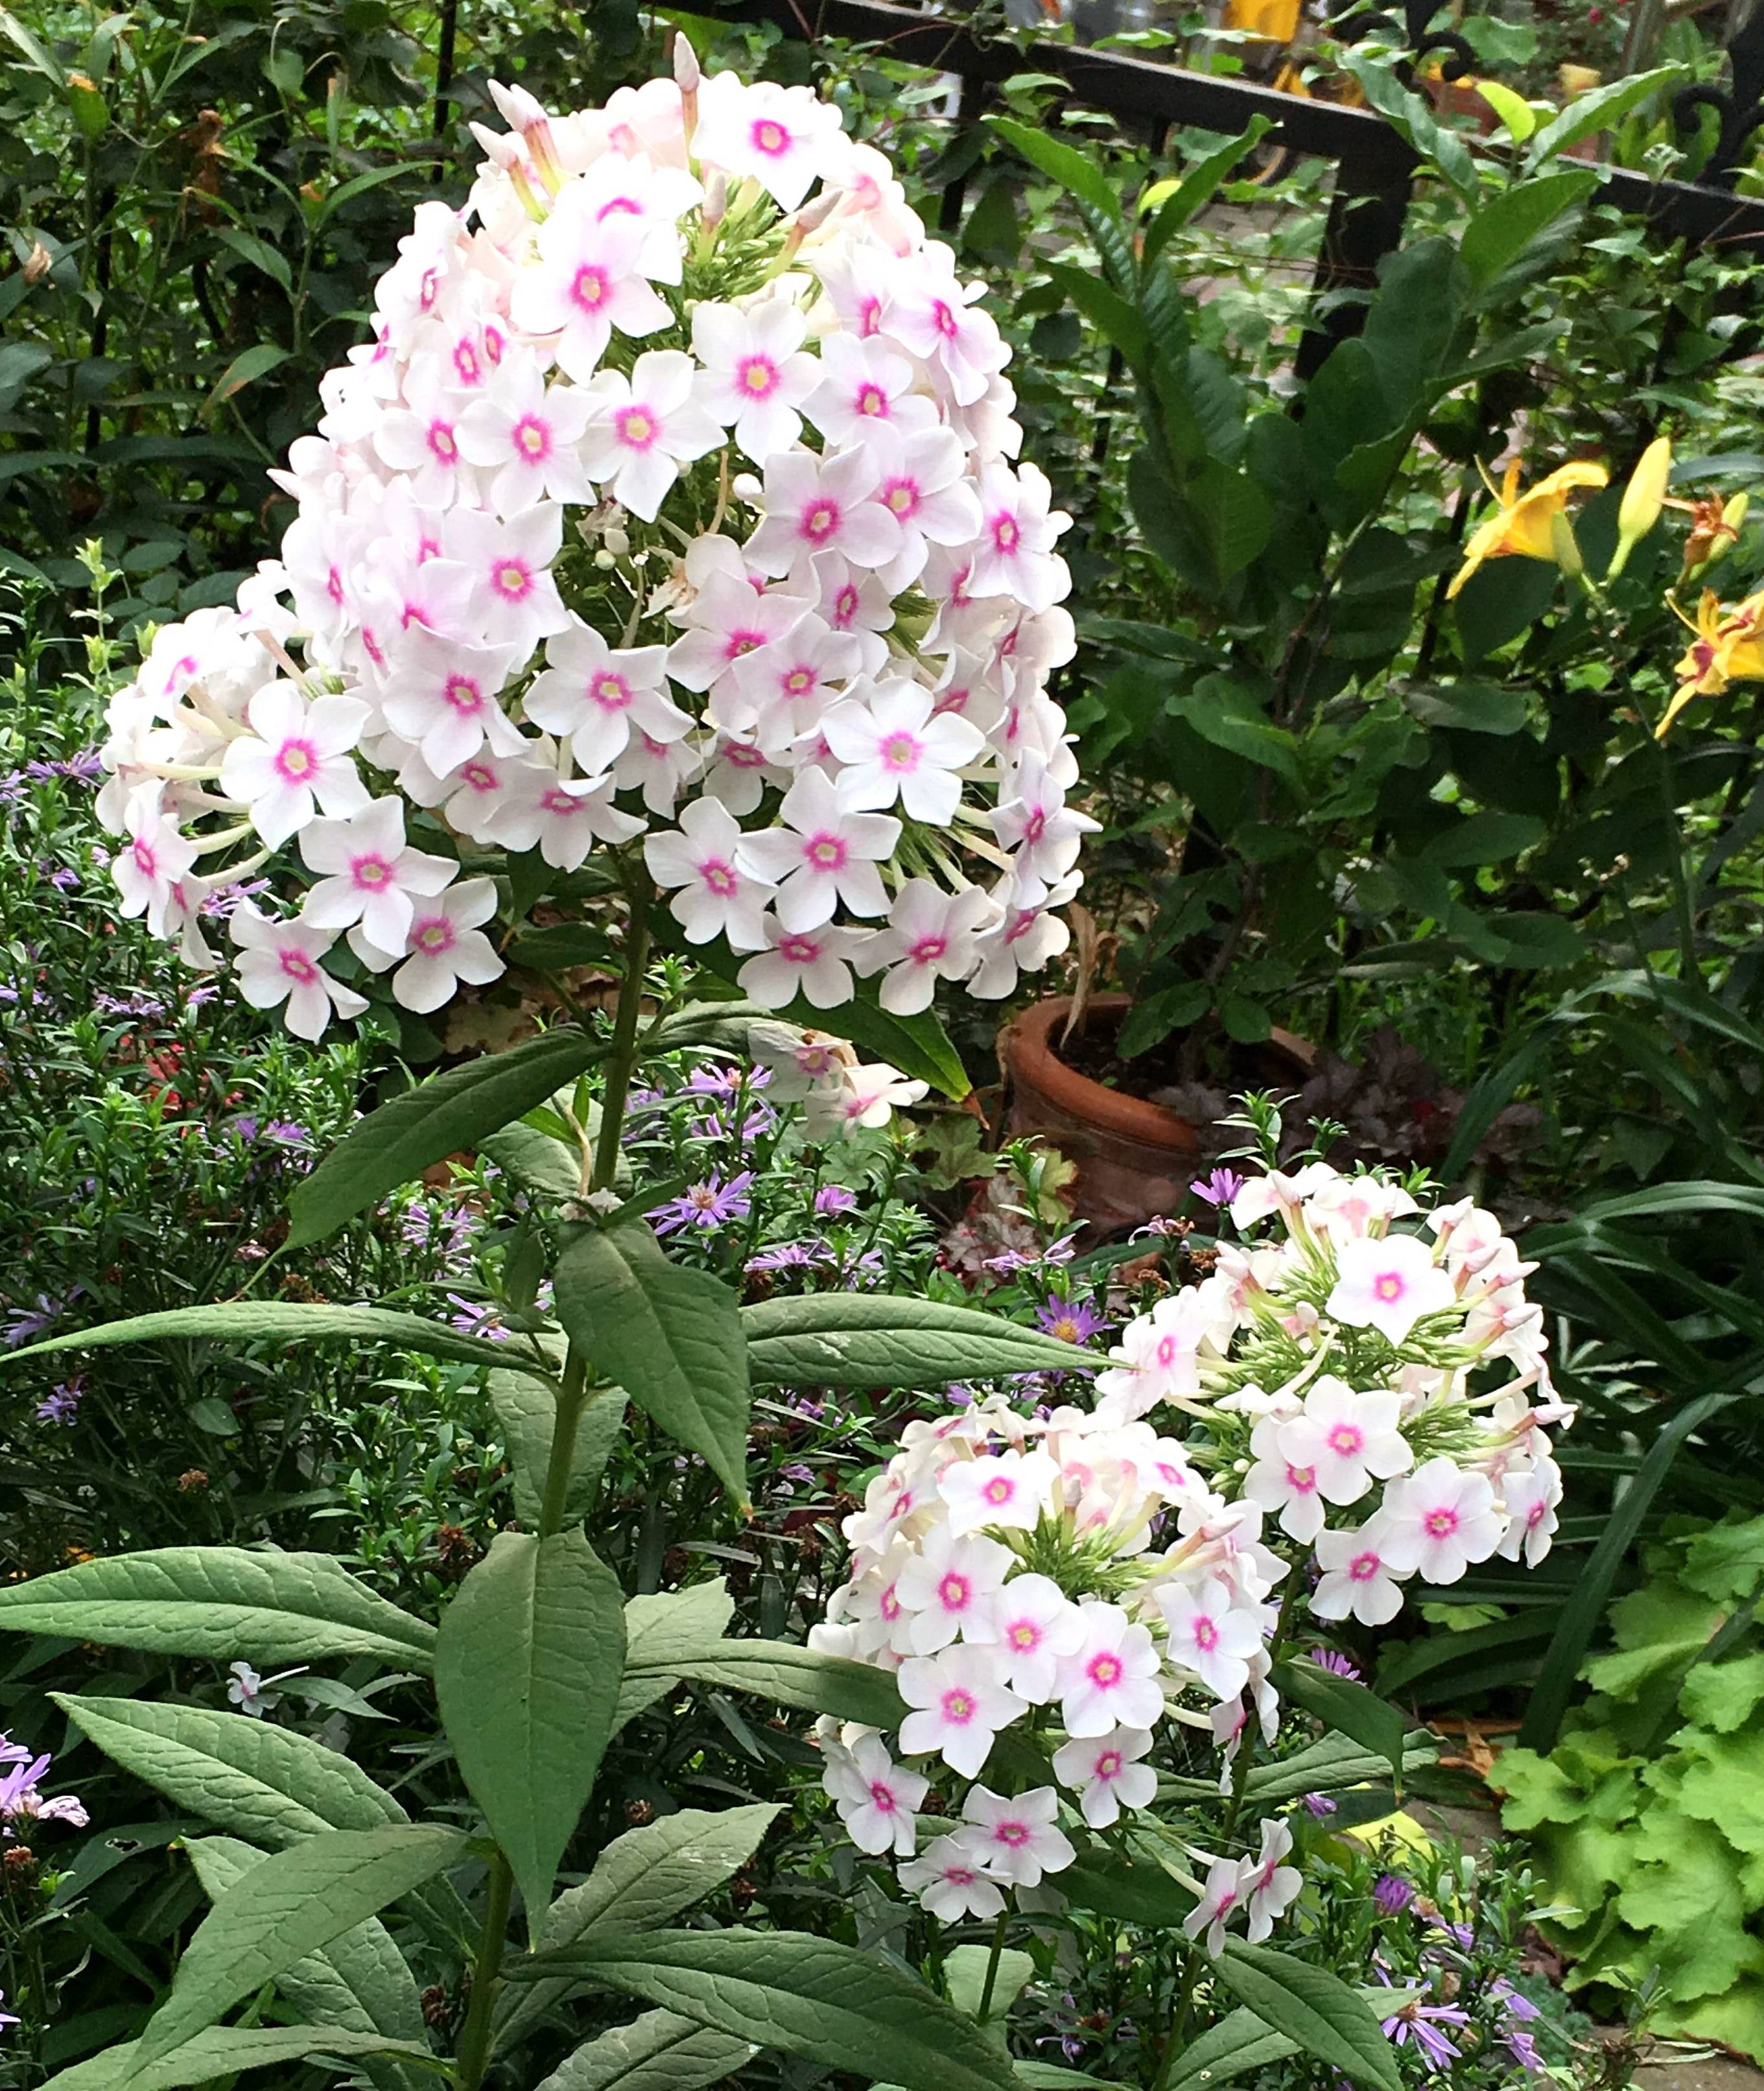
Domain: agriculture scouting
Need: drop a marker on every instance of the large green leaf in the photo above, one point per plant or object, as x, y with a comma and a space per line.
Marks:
784, 1990
1198, 187
1130, 1891
221, 1602
268, 1784
297, 1901
661, 2051
869, 1339
1598, 109
527, 1671
791, 1676
1316, 2010
215, 2054
1233, 2047
1084, 182
292, 1321
1350, 1709
669, 1336
1501, 231
659, 1626
395, 1144
527, 1413
639, 1881
1333, 1765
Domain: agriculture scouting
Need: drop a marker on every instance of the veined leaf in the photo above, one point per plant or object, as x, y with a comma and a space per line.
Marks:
659, 1627
1598, 110
859, 1339
527, 1413
1198, 187
395, 1144
1316, 2010
791, 1676
661, 2051
220, 2052
1084, 182
527, 1670
221, 1602
1350, 1709
1233, 2047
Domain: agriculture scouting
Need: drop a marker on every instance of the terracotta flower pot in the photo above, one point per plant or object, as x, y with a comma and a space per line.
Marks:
1135, 1158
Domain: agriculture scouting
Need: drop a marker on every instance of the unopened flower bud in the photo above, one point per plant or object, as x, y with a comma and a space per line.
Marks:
1643, 498
686, 77
523, 113
1715, 530
813, 215
716, 201
617, 542
604, 561
38, 262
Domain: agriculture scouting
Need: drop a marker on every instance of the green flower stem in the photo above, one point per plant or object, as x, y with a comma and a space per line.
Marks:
992, 1965
1178, 2036
624, 1052
572, 1397
475, 2040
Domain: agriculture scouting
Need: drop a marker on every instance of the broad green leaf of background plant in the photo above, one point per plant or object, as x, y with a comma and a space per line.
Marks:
395, 1144
527, 1665
965, 1970
1233, 2047
290, 1321
527, 1413
659, 1627
214, 2055
789, 1675
661, 2051
1348, 1708
1598, 109
868, 1339
297, 1901
669, 1336
1198, 188
1314, 2009
811, 1997
1499, 232
1084, 182
221, 1602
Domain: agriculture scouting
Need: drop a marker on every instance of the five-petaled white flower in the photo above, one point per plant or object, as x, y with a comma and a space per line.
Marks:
642, 428
1015, 1838
368, 873
756, 374
823, 850
959, 1702
296, 752
716, 897
1106, 1772
279, 963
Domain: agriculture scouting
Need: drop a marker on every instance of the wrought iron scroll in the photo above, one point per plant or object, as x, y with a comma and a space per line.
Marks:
1351, 20
1739, 106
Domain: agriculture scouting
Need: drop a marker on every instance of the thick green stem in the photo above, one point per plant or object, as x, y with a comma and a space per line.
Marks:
624, 1052
572, 1399
474, 2041
1177, 2037
992, 1965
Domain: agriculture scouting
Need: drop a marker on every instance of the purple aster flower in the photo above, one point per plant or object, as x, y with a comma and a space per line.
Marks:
476, 1317
1392, 1894
285, 1133
834, 1198
1524, 2049
1014, 1260
1419, 2024
12, 786
1460, 1934
798, 1473
705, 1206
1326, 1658
789, 1256
1072, 1321
64, 878
23, 1323
1217, 1189
220, 902
959, 1396
1319, 1806
1511, 2001
715, 1081
814, 1410
758, 1121
198, 996
1159, 1224
246, 1129
21, 1801
60, 1404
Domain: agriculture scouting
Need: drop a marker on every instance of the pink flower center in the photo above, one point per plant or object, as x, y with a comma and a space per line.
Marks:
1388, 1286
1303, 1479
869, 318
846, 605
1345, 1440
589, 288
1104, 1670
819, 521
430, 289
825, 852
743, 755
298, 967
295, 762
1166, 1351
1109, 1764
334, 586
1024, 1635
802, 951
465, 362
758, 376
955, 1592
799, 682
719, 876
999, 1489
1012, 1833
1535, 1516
770, 137
464, 693
944, 320
958, 1706
146, 863
559, 801
1205, 1635
636, 427
881, 1796
872, 402
432, 935
609, 691
512, 580
1005, 532
901, 750
901, 497
960, 1877
441, 443
926, 952
532, 438
480, 776
1440, 1524
888, 1605
1363, 1567
370, 873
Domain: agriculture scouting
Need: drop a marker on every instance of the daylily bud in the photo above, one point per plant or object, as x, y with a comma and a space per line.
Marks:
1565, 547
1643, 498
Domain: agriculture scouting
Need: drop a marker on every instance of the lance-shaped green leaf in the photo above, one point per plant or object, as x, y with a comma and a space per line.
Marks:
1316, 2010
220, 2051
658, 1626
807, 1996
787, 1676
869, 1339
437, 1118
267, 1784
221, 1602
293, 1321
296, 1902
527, 1671
639, 1881
1349, 1709
1237, 2043
1332, 1765
527, 1413
669, 1336
661, 2051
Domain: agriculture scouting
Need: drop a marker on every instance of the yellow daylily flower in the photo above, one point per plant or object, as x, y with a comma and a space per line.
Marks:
1522, 526
1728, 648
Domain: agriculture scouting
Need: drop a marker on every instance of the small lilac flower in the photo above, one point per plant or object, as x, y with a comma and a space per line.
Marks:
1319, 1806
1072, 1321
833, 1198
476, 1317
1513, 2002
285, 1133
220, 904
1217, 1188
1524, 2049
7, 2018
60, 1404
706, 1206
250, 1694
1392, 1894
1419, 2024
1014, 1260
1159, 1224
798, 1473
1326, 1658
788, 1256
23, 1323
246, 1129
64, 878
20, 1799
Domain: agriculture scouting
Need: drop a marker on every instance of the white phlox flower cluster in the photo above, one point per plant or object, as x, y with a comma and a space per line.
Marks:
1383, 1395
1070, 1576
672, 509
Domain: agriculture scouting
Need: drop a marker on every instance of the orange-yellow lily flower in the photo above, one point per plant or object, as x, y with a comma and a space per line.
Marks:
1728, 648
1521, 526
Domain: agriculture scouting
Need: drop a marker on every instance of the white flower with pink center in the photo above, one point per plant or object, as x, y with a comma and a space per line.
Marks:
784, 138
715, 898
929, 312
1026, 934
296, 754
960, 1703
780, 692
932, 935
863, 1100
600, 695
822, 504
1014, 551
1159, 1356
1006, 1488
523, 434
1388, 1285
1218, 1901
1210, 1634
562, 818
1277, 1484
153, 862
642, 428
876, 1797
1017, 1838
825, 851
896, 745
509, 558
589, 280
1357, 1580
755, 375
1034, 1626
864, 388
1438, 1520
421, 438
813, 964
1267, 1887
1033, 821
947, 1589
1530, 1500
1110, 1680
950, 1882
628, 186
278, 965
1106, 1774
1347, 1439
369, 874
444, 945
923, 484
440, 695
